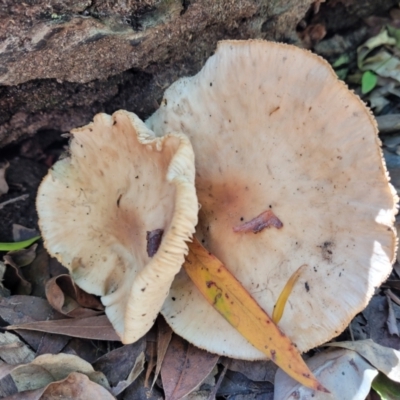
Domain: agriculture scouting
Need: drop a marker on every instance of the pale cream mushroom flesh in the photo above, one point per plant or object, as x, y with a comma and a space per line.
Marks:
274, 129
102, 208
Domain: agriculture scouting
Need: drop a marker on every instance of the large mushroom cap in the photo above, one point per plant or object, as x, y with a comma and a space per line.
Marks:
97, 206
274, 129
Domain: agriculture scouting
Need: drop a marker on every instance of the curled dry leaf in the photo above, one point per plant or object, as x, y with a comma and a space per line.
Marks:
70, 300
14, 278
98, 328
345, 373
184, 368
22, 257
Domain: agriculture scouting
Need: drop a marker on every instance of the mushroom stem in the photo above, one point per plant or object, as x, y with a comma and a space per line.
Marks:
262, 221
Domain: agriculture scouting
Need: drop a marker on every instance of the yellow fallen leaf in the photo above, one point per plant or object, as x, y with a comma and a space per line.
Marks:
283, 297
226, 294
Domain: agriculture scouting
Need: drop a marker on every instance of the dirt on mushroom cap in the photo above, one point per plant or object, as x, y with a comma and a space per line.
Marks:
273, 128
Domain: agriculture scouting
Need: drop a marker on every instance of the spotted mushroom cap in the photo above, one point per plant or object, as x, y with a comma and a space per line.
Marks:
277, 135
97, 206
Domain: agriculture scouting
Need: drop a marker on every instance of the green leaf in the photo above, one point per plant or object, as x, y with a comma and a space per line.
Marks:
342, 73
341, 61
18, 245
368, 81
386, 388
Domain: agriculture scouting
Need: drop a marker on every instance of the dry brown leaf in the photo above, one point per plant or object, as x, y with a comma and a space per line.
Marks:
76, 386
163, 340
151, 358
117, 364
51, 343
138, 391
70, 300
137, 369
48, 368
22, 257
37, 273
258, 371
98, 328
21, 233
13, 351
184, 368
23, 309
14, 278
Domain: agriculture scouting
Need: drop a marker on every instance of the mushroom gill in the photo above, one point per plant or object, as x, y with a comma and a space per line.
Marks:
100, 209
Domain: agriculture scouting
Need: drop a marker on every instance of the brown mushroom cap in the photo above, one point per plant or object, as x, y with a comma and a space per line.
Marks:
96, 207
274, 129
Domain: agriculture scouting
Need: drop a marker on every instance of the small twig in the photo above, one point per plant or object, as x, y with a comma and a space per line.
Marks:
219, 381
351, 332
14, 200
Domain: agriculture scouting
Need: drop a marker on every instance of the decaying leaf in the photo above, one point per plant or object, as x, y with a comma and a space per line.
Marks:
236, 386
236, 305
98, 328
345, 373
391, 321
70, 300
163, 340
137, 369
25, 309
52, 367
387, 389
76, 386
118, 365
22, 257
184, 368
384, 359
13, 351
43, 377
21, 233
257, 371
15, 278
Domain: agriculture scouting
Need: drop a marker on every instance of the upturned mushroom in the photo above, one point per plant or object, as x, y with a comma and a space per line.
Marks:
289, 173
118, 212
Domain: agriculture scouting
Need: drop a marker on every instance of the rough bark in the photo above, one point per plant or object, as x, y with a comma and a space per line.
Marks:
62, 61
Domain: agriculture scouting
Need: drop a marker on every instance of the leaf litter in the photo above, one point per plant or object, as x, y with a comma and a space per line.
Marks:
63, 320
